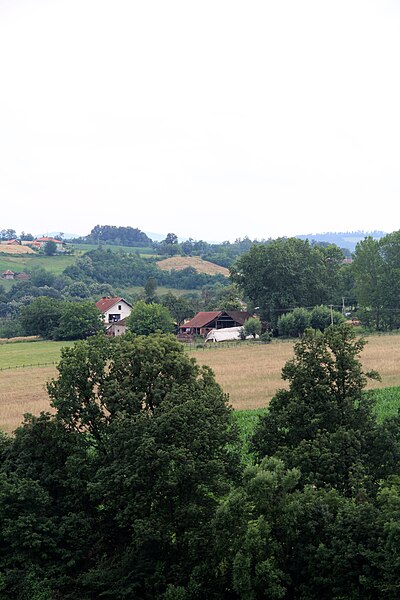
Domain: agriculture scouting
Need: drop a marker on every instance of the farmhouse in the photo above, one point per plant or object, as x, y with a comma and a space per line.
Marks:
42, 241
8, 274
114, 309
203, 322
10, 242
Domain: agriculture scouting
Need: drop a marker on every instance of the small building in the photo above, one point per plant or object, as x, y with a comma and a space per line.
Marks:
10, 242
227, 334
22, 276
117, 328
8, 274
114, 309
204, 322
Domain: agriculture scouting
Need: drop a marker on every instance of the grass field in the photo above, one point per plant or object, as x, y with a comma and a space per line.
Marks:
55, 264
249, 374
34, 353
127, 292
82, 248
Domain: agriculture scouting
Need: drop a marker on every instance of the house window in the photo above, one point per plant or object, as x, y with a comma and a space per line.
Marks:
119, 307
113, 318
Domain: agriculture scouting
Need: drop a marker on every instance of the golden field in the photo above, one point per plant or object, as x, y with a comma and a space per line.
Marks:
249, 374
14, 249
177, 263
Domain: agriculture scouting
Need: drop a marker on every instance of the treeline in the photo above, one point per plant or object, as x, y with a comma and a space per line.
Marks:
119, 268
376, 271
138, 485
223, 254
289, 273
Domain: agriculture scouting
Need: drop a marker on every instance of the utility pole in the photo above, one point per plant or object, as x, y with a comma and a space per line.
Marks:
331, 307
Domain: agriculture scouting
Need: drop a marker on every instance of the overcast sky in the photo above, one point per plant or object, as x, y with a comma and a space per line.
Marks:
212, 119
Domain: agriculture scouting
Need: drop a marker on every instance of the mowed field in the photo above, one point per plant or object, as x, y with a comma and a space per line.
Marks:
178, 263
249, 374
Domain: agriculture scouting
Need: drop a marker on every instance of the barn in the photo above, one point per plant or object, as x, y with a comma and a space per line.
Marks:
204, 322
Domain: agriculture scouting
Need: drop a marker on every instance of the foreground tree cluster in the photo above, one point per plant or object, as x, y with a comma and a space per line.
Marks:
138, 487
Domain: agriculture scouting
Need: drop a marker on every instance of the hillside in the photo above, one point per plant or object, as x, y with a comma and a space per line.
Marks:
177, 263
11, 249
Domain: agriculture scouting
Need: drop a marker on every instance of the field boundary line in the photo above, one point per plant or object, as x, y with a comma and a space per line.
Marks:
30, 365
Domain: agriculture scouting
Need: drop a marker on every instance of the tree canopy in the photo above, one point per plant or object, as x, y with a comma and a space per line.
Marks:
288, 273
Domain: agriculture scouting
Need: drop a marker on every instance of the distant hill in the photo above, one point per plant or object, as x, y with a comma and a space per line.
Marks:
347, 239
117, 236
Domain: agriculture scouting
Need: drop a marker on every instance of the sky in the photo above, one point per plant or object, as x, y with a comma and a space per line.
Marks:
213, 120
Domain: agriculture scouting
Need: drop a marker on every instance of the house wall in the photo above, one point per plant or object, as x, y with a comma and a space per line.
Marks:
124, 311
116, 330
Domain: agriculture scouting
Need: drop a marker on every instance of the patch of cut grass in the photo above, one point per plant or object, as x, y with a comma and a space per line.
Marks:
30, 353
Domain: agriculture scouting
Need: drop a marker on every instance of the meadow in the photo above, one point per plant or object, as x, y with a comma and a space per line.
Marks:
249, 374
58, 262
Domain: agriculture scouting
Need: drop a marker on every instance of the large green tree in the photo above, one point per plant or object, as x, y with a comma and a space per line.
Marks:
376, 270
149, 318
78, 321
288, 273
41, 317
164, 447
324, 423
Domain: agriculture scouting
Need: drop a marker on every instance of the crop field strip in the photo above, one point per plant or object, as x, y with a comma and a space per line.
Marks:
249, 374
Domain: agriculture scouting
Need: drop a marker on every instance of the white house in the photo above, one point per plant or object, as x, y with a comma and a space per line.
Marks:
114, 309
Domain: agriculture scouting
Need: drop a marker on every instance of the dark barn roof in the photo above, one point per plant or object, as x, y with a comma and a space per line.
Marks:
202, 319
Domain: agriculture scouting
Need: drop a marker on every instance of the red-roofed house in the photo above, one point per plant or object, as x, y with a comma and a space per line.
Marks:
10, 242
114, 309
42, 241
203, 322
8, 274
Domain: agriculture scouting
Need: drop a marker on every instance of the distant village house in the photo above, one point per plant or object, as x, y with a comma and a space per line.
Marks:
42, 241
115, 311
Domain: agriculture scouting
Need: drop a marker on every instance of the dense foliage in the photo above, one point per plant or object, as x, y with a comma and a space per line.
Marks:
60, 320
119, 236
289, 273
119, 268
376, 270
150, 318
134, 489
115, 495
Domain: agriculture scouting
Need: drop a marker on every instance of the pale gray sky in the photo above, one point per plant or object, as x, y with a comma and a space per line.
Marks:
213, 119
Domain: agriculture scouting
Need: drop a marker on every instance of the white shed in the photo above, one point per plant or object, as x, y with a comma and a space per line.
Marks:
226, 334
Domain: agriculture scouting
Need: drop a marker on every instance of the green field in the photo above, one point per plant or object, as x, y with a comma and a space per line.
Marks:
18, 354
82, 248
23, 262
57, 263
249, 374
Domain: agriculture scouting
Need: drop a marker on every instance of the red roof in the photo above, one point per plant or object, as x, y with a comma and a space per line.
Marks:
105, 303
48, 239
202, 319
